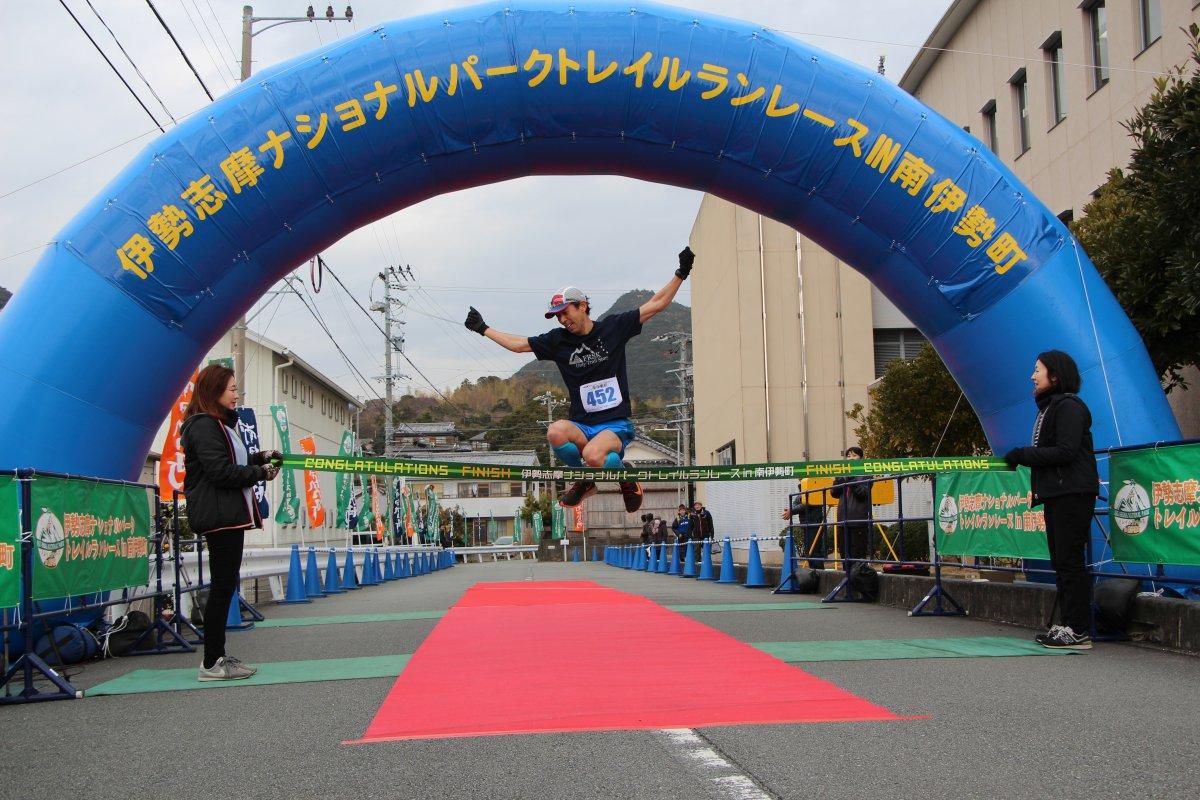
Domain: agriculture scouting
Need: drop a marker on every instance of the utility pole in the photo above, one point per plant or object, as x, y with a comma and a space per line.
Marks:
550, 400
394, 279
682, 341
237, 335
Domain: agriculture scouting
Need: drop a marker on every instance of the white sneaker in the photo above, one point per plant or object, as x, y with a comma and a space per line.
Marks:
227, 668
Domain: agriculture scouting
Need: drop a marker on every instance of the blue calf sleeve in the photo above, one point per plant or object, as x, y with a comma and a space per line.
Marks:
613, 461
569, 454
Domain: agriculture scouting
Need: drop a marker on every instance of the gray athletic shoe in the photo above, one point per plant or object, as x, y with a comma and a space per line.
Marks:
227, 668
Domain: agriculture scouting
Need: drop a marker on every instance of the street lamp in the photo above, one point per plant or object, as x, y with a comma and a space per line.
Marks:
238, 337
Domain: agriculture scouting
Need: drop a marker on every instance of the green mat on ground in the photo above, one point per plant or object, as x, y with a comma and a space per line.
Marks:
336, 619
332, 669
881, 649
751, 607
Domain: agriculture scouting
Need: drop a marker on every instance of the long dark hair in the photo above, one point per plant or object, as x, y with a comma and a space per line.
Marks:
206, 396
1063, 372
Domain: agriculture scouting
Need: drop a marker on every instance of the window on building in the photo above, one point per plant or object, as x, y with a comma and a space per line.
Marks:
466, 490
1020, 86
1151, 21
895, 343
727, 454
1067, 217
484, 490
989, 124
1098, 28
516, 489
1053, 50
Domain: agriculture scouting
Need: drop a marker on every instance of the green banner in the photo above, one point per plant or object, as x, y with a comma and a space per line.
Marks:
287, 511
988, 514
88, 537
432, 516
518, 529
441, 470
10, 543
1154, 505
558, 523
343, 483
535, 528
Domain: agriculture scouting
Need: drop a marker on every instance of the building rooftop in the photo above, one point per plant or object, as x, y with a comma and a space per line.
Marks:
942, 33
426, 428
287, 353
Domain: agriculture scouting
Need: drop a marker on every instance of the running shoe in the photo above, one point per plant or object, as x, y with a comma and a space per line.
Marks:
579, 490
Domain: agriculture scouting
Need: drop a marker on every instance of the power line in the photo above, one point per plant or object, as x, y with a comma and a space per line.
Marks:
178, 47
130, 60
217, 47
111, 65
402, 353
207, 49
363, 382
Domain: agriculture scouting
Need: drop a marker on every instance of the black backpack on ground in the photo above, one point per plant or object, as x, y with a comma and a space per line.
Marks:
864, 580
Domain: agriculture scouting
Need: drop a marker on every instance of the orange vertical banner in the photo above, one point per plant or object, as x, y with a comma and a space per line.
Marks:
380, 527
578, 527
170, 465
312, 486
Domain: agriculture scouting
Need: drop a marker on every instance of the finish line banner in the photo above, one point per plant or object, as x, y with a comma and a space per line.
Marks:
740, 472
1154, 513
988, 514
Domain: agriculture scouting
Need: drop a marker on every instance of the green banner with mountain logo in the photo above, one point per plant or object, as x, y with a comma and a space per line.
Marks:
1154, 505
988, 514
88, 537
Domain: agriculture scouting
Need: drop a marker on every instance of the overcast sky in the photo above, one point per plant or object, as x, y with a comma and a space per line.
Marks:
68, 114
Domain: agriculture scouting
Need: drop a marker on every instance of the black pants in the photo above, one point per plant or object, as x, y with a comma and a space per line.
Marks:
854, 540
224, 563
1068, 524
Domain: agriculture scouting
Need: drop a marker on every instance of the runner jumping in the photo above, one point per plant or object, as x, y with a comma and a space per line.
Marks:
590, 355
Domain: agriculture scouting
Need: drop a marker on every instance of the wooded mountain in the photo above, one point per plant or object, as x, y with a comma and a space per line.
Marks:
646, 361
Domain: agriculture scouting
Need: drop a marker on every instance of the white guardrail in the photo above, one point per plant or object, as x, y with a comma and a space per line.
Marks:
495, 551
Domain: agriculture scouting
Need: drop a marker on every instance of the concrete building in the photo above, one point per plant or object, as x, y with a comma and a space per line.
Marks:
479, 501
1068, 73
316, 407
788, 338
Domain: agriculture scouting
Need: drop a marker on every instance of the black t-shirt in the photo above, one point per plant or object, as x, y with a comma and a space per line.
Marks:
593, 366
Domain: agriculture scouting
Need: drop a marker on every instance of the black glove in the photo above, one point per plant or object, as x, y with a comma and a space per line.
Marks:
273, 457
1012, 457
475, 322
686, 259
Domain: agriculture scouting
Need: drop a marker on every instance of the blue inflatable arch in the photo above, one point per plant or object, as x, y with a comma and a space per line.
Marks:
97, 342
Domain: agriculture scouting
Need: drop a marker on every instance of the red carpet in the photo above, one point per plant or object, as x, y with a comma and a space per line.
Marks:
568, 656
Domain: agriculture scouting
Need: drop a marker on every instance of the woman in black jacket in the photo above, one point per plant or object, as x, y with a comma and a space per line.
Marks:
1063, 479
854, 512
219, 480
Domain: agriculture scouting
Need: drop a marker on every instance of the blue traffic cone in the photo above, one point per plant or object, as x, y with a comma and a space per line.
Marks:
754, 571
421, 563
331, 574
349, 576
233, 620
706, 568
576, 558
639, 558
409, 565
728, 575
661, 566
677, 559
595, 553
689, 564
401, 561
368, 569
389, 569
651, 559
312, 576
376, 569
787, 570
295, 580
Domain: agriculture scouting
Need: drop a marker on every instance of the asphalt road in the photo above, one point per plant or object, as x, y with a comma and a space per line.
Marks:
1119, 721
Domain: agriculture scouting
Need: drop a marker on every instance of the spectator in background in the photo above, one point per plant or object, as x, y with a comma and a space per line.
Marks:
702, 521
854, 509
809, 538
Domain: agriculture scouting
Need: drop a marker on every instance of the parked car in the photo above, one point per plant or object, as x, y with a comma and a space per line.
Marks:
504, 541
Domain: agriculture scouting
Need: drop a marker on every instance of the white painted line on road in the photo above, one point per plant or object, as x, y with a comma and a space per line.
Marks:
724, 780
